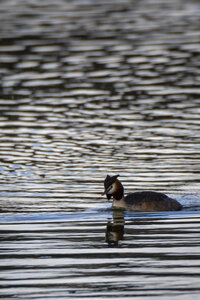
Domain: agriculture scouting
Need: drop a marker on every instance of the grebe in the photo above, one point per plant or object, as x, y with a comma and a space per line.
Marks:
146, 201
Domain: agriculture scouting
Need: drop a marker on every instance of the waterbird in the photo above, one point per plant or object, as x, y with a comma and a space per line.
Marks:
145, 200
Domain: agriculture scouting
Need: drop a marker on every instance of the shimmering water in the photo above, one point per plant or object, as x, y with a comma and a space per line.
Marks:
90, 88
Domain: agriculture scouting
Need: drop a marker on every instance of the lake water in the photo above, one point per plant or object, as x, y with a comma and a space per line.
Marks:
90, 88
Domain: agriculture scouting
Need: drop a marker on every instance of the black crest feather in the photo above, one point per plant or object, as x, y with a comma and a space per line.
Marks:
109, 180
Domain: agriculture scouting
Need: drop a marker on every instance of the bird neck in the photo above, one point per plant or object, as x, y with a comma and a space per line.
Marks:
118, 193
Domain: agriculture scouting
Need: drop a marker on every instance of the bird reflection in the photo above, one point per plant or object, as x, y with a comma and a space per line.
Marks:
115, 229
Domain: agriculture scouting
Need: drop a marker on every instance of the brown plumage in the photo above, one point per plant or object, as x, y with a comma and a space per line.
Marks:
146, 201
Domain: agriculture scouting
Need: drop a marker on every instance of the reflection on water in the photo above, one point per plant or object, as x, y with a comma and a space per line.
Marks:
90, 88
115, 229
60, 257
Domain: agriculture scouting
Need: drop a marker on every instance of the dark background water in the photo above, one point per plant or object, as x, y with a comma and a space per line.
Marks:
90, 88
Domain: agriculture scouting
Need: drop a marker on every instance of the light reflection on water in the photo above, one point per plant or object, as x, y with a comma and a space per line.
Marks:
97, 254
90, 88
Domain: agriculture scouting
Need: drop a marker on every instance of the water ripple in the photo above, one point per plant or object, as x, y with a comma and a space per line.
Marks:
90, 88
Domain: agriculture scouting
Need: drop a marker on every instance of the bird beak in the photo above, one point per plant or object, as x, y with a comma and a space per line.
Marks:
104, 193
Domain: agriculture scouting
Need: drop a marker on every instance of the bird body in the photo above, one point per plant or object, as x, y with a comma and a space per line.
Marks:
145, 200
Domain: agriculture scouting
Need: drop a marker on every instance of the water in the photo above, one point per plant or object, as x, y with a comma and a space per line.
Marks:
90, 88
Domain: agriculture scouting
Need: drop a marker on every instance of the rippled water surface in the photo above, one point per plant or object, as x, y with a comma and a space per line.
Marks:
90, 88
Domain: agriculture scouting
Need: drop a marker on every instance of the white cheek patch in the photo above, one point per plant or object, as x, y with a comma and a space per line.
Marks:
111, 190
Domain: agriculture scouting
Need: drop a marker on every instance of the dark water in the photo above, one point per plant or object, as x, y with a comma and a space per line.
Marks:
90, 88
